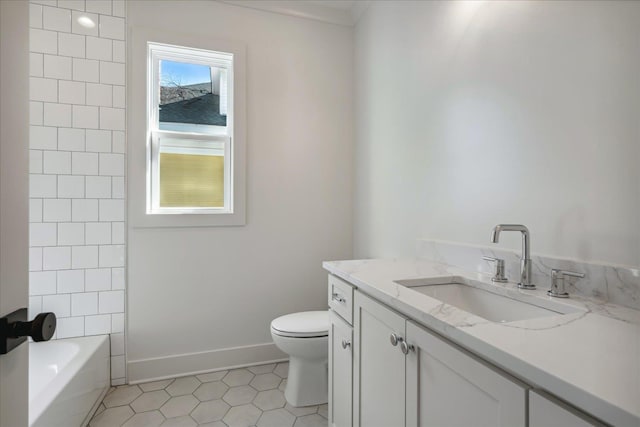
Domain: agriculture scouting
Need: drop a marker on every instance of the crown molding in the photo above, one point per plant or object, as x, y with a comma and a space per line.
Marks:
308, 10
358, 9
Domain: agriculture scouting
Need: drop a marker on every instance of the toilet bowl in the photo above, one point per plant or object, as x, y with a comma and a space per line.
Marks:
304, 337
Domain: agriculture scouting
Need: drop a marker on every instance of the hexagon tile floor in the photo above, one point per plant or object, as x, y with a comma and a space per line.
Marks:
252, 396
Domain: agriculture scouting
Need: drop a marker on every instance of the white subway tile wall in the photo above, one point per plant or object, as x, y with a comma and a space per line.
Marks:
77, 169
36, 113
58, 115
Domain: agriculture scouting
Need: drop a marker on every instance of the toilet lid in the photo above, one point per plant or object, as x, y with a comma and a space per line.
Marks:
305, 324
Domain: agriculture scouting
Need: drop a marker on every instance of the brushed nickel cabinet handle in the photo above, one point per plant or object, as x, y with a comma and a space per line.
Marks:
337, 297
395, 339
406, 348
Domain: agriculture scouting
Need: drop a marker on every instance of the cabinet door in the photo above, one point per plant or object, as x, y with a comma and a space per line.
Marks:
379, 367
340, 372
545, 412
448, 387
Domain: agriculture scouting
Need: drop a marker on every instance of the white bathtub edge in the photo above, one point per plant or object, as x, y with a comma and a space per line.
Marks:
96, 405
47, 407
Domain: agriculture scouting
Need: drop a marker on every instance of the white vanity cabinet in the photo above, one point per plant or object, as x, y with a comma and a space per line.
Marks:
397, 373
379, 366
545, 411
434, 384
340, 353
340, 371
447, 386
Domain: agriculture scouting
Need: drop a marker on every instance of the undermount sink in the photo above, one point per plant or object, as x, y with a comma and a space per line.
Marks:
481, 300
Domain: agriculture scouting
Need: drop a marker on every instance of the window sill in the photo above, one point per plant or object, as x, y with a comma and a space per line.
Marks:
169, 220
179, 211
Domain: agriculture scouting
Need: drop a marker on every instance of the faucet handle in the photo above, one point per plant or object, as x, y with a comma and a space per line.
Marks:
560, 273
557, 282
498, 275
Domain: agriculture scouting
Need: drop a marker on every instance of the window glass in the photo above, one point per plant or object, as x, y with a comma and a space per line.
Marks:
191, 180
191, 94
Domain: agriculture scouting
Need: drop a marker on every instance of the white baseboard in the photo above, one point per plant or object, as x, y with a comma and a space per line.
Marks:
179, 365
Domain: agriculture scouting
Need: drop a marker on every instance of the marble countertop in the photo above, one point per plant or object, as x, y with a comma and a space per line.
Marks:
590, 358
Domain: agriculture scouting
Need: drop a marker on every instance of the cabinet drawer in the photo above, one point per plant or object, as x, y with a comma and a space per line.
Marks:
341, 298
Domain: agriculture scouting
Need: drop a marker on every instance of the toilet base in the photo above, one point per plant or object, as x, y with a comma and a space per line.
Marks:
307, 382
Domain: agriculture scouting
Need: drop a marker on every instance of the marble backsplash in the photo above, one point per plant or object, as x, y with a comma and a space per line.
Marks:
614, 284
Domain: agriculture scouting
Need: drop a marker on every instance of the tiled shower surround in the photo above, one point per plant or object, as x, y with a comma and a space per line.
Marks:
77, 169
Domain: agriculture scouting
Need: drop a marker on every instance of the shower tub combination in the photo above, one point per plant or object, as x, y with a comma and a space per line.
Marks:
67, 380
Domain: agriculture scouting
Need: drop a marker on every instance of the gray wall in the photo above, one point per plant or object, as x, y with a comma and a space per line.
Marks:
197, 294
14, 137
471, 114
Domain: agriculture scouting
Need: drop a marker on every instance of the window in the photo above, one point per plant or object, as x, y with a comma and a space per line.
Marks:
191, 131
186, 163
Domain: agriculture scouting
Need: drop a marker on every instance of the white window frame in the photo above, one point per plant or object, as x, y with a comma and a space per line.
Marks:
140, 132
206, 140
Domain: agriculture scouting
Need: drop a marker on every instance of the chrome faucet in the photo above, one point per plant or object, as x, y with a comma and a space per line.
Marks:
525, 262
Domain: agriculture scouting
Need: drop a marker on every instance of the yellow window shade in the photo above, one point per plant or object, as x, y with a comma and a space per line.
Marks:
191, 180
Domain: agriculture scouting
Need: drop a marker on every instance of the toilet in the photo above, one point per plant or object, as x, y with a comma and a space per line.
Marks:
304, 337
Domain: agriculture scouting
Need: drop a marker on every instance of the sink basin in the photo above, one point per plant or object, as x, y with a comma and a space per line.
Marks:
496, 305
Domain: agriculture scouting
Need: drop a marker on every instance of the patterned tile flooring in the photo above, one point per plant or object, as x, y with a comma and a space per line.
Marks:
252, 396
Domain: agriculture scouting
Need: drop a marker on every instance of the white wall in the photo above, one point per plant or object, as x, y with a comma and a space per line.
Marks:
197, 290
77, 168
470, 114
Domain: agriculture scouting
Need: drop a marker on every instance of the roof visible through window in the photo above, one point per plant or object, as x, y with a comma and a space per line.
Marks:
190, 94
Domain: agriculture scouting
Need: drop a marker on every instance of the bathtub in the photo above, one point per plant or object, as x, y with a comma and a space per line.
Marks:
67, 380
